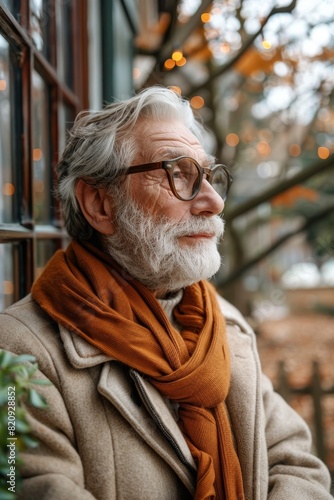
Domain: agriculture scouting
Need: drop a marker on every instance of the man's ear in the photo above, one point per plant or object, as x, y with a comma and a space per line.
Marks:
95, 206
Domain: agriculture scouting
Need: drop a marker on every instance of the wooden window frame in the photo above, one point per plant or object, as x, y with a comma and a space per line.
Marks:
24, 232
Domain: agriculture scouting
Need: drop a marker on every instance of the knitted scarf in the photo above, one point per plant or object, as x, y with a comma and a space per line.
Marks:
83, 289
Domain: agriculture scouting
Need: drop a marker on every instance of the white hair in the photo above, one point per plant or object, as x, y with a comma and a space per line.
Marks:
100, 146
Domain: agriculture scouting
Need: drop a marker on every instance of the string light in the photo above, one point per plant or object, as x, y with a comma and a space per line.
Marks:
263, 148
176, 89
323, 152
37, 154
232, 140
266, 44
177, 55
206, 17
294, 150
169, 64
197, 102
181, 62
8, 189
7, 287
225, 48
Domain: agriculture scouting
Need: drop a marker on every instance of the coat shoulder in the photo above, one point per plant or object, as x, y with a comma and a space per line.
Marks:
233, 316
26, 329
27, 312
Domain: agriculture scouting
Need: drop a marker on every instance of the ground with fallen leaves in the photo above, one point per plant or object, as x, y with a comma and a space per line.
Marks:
298, 340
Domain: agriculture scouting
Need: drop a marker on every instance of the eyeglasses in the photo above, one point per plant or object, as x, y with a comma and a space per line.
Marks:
185, 176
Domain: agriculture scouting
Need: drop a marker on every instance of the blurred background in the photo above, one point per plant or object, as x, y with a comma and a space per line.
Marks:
260, 75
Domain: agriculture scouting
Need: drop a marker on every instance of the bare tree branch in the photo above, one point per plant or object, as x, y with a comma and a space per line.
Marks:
286, 184
319, 216
225, 67
182, 32
176, 40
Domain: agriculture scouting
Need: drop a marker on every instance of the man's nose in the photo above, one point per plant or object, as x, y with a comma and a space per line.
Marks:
208, 202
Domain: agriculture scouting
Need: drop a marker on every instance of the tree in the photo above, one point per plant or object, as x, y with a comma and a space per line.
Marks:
260, 75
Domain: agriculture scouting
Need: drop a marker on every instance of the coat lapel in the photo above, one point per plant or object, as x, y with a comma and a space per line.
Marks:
115, 385
138, 402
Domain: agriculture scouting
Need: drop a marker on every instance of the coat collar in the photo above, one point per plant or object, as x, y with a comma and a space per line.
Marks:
81, 354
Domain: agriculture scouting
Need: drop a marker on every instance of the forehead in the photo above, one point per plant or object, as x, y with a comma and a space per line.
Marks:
158, 137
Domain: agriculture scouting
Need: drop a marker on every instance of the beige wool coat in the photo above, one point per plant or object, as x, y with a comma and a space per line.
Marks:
108, 434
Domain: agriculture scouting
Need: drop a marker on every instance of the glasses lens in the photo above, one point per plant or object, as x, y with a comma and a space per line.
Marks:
186, 178
220, 181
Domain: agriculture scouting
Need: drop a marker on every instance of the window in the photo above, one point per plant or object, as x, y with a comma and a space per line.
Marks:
43, 85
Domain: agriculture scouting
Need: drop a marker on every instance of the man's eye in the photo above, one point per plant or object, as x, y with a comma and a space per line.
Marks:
178, 174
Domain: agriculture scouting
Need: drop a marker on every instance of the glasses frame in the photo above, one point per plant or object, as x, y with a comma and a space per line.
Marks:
169, 165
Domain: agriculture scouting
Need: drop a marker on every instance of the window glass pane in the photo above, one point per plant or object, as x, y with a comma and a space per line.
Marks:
44, 251
122, 52
6, 180
41, 151
40, 14
6, 275
10, 4
66, 116
64, 42
14, 6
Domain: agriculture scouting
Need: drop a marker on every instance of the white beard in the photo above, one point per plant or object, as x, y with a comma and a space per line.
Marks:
148, 248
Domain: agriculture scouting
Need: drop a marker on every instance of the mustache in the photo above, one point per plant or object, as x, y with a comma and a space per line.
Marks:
195, 225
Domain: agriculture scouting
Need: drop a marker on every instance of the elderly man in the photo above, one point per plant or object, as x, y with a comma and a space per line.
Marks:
156, 391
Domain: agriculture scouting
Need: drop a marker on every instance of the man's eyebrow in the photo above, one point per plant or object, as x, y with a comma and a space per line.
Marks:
171, 153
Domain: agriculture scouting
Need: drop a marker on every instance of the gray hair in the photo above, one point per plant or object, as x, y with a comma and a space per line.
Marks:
100, 146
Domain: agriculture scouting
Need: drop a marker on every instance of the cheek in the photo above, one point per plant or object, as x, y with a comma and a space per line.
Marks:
146, 196
166, 205
153, 198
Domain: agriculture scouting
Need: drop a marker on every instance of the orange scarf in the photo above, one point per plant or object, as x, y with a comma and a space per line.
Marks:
85, 290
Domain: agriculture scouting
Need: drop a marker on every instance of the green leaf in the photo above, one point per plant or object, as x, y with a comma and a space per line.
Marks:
3, 396
22, 426
36, 399
29, 441
5, 358
17, 371
22, 358
40, 381
7, 495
